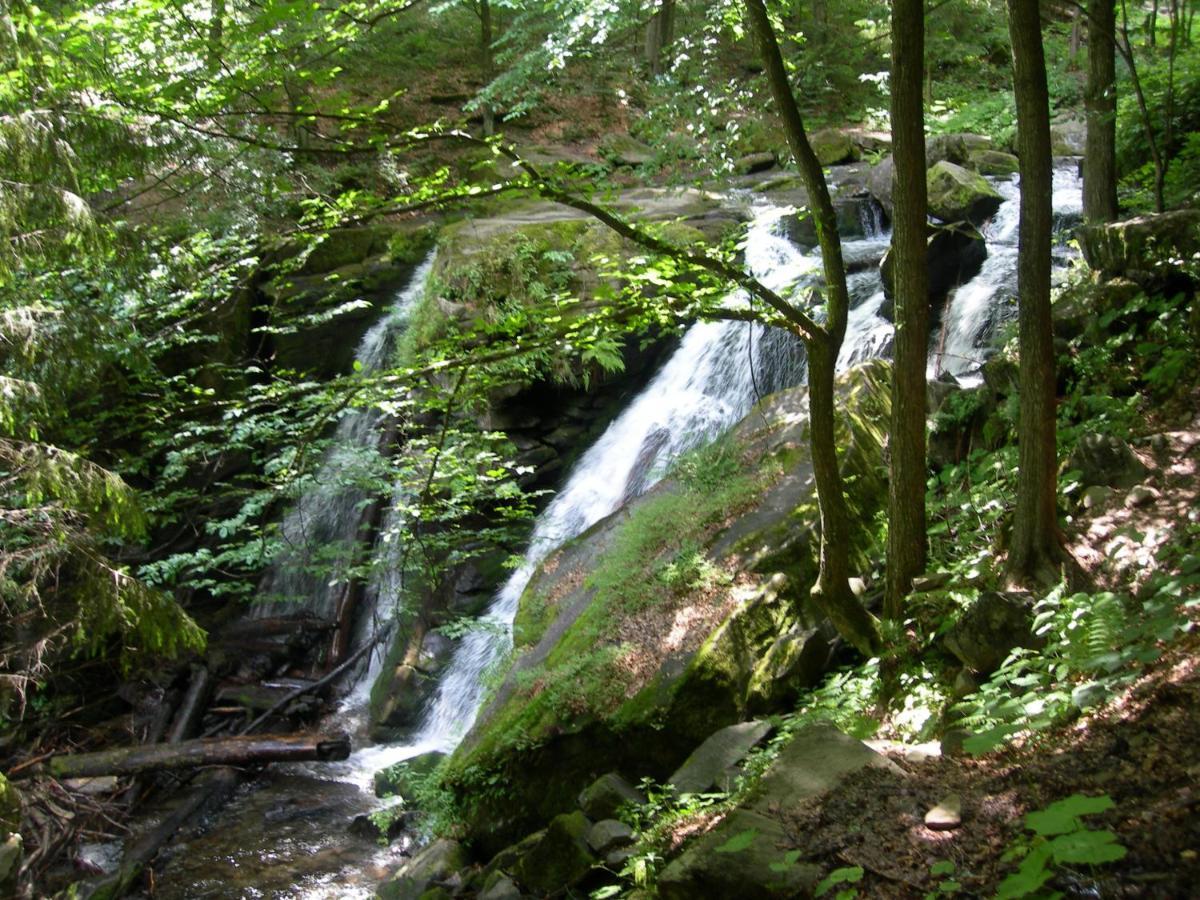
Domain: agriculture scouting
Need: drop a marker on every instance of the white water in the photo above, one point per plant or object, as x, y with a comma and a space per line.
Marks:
322, 531
977, 308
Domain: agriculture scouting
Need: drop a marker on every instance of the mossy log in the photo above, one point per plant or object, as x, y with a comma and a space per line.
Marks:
226, 751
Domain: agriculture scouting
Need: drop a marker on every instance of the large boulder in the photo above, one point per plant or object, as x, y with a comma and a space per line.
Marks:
1104, 459
954, 148
404, 778
854, 211
957, 194
1146, 247
832, 146
604, 797
993, 162
424, 872
559, 858
624, 150
990, 628
744, 856
1068, 138
954, 255
714, 763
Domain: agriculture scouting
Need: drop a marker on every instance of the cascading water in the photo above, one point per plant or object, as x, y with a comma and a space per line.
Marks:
976, 308
710, 383
322, 532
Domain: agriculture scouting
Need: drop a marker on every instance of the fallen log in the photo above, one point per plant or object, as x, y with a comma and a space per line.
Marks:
260, 628
241, 750
191, 711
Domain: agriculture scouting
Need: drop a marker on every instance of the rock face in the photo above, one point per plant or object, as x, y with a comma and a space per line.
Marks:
604, 797
714, 763
957, 194
990, 628
735, 649
735, 859
1142, 247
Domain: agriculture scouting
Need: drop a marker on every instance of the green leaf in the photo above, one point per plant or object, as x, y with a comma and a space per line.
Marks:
1062, 817
739, 842
942, 867
845, 875
1090, 847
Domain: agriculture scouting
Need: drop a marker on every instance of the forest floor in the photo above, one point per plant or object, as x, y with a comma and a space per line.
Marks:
1142, 750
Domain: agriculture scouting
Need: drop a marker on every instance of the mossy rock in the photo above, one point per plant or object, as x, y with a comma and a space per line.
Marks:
435, 864
955, 148
993, 162
1145, 247
624, 150
568, 711
957, 194
559, 859
405, 777
833, 146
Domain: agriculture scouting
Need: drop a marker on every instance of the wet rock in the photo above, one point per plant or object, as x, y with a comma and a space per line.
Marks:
990, 628
879, 183
957, 194
946, 816
852, 209
403, 778
954, 255
712, 762
609, 834
428, 869
607, 794
814, 762
1104, 459
365, 826
559, 859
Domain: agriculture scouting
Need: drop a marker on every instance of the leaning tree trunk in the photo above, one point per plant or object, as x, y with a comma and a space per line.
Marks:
1100, 103
660, 32
906, 545
832, 594
1036, 542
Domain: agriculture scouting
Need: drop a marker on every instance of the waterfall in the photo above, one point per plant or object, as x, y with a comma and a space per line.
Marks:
976, 309
323, 530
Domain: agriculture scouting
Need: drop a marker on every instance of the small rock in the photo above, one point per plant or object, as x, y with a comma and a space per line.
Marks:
609, 834
1096, 496
965, 683
617, 858
608, 793
946, 816
1142, 495
931, 581
101, 784
501, 889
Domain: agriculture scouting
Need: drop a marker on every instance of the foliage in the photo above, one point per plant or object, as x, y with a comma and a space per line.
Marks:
845, 875
1059, 839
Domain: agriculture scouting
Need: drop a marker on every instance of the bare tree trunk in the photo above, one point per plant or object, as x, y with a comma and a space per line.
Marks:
1076, 38
906, 545
660, 32
486, 38
1100, 102
1157, 152
1035, 550
832, 593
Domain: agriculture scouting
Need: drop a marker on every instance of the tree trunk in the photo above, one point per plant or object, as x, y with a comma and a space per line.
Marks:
832, 594
227, 751
1036, 545
191, 710
486, 39
1100, 103
906, 544
660, 32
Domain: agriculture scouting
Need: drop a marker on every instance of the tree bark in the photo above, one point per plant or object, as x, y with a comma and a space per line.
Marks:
228, 751
1100, 103
486, 39
906, 543
1035, 550
660, 32
832, 593
191, 710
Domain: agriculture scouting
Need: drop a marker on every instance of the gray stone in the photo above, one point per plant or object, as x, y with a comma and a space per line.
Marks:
946, 816
559, 859
623, 150
1143, 245
1103, 459
617, 858
606, 795
954, 255
954, 148
990, 628
1142, 495
435, 864
814, 762
993, 162
501, 888
707, 766
1067, 138
609, 834
832, 146
965, 683
957, 194
1096, 496
754, 162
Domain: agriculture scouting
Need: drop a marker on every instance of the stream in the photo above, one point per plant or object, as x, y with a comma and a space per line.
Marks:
287, 834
